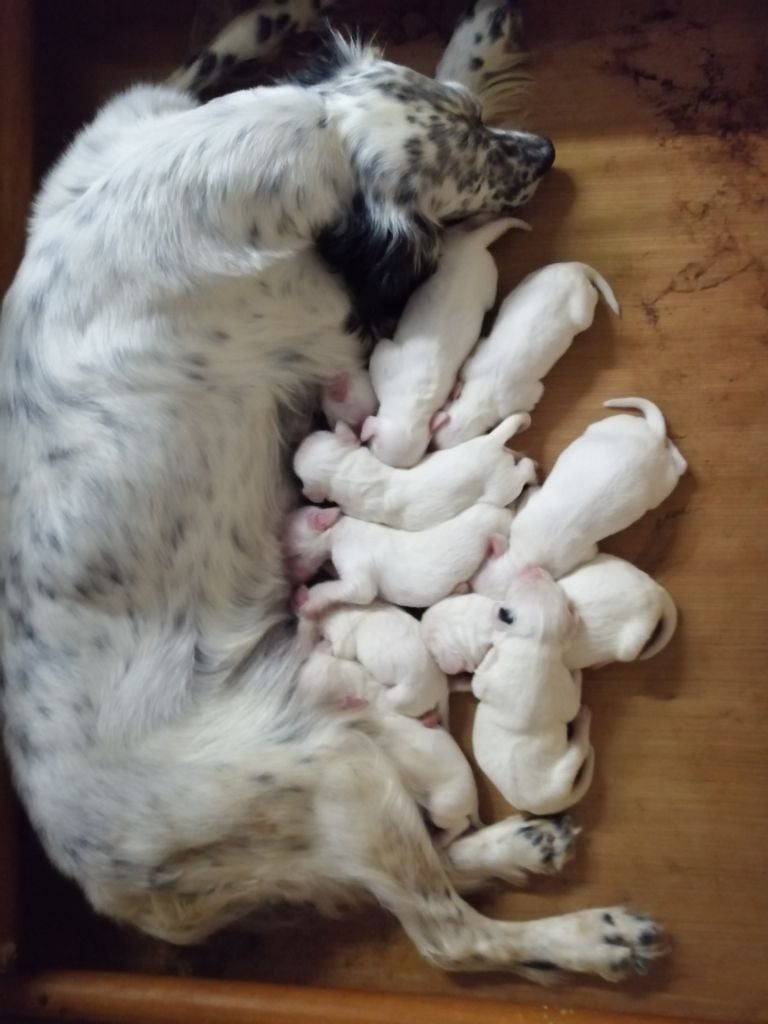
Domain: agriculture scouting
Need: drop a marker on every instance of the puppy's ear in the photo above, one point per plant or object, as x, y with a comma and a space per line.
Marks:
338, 389
322, 519
368, 429
439, 419
497, 545
346, 434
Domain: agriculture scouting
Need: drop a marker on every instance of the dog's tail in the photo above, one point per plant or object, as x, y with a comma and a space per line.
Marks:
256, 35
603, 287
664, 631
650, 411
509, 427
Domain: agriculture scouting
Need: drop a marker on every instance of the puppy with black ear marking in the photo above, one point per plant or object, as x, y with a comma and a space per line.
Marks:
534, 328
336, 467
605, 480
411, 568
413, 373
528, 697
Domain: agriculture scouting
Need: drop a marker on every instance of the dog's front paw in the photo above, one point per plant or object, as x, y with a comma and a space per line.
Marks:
551, 842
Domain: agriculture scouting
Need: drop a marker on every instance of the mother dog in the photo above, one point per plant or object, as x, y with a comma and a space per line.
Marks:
193, 273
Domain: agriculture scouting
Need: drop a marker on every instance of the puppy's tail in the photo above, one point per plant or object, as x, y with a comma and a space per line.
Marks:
664, 631
603, 287
509, 427
652, 413
485, 234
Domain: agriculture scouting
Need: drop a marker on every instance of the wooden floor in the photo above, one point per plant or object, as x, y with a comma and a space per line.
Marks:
658, 111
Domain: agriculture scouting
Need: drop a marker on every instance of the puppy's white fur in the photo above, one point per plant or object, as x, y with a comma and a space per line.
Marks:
459, 630
349, 399
336, 467
413, 373
534, 328
527, 698
387, 642
606, 479
429, 760
412, 568
623, 613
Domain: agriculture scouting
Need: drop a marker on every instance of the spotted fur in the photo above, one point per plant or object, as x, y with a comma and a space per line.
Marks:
186, 289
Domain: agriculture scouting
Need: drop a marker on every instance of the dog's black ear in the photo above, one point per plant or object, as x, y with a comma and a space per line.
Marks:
382, 260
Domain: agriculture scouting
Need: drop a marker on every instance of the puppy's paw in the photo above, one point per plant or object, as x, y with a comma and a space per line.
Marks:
551, 841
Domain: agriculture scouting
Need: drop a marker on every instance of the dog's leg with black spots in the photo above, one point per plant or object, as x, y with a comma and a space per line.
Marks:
256, 35
486, 53
511, 850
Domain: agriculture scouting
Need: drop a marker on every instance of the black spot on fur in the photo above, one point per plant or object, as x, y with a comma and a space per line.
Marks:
264, 29
476, 63
282, 21
208, 63
608, 918
265, 778
540, 965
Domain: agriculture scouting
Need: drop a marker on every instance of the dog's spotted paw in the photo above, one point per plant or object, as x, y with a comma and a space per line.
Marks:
611, 942
551, 841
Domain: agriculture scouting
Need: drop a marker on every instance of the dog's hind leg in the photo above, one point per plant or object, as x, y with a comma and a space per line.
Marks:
256, 35
375, 838
486, 53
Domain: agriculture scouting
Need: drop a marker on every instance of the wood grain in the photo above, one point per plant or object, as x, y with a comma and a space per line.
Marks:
143, 999
16, 121
658, 113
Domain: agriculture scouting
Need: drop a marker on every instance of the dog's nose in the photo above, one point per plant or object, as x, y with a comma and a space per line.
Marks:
544, 154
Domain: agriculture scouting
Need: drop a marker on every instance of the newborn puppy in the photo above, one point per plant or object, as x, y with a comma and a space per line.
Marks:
414, 569
623, 613
528, 698
429, 760
413, 373
459, 630
616, 471
534, 328
336, 467
387, 642
349, 399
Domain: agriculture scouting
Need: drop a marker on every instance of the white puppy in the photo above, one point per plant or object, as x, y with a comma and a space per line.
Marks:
411, 568
413, 373
529, 703
336, 467
429, 760
534, 328
349, 399
616, 471
387, 642
623, 613
459, 630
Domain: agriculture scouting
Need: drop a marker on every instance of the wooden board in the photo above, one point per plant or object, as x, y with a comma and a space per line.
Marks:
658, 112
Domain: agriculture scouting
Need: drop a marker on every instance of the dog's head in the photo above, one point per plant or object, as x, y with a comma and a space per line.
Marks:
306, 543
422, 158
